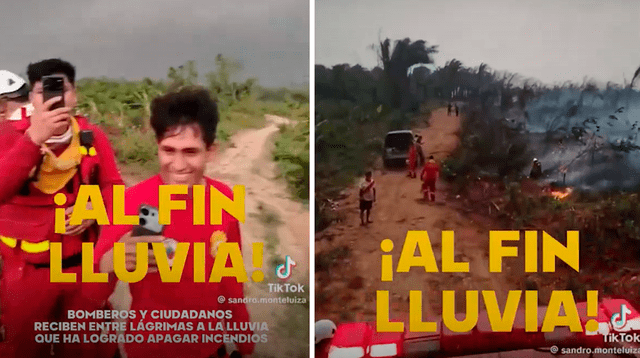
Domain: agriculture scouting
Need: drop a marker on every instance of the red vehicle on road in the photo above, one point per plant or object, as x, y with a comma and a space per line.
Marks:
360, 340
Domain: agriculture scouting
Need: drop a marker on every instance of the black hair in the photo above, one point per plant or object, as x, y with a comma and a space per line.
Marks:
369, 173
190, 105
35, 71
431, 157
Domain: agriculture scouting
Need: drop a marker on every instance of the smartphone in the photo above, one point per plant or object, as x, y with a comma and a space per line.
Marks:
149, 222
53, 86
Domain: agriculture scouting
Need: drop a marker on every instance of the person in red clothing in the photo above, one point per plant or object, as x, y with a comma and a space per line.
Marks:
412, 161
42, 156
324, 331
14, 96
429, 176
185, 125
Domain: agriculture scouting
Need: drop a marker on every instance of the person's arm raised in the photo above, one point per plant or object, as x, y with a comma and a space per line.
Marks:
45, 122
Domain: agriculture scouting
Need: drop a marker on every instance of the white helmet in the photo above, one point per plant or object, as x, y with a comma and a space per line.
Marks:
325, 329
11, 84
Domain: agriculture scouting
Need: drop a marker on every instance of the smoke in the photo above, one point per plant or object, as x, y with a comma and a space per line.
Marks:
587, 139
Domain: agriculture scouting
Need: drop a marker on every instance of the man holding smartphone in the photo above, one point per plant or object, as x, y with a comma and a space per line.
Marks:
41, 156
185, 125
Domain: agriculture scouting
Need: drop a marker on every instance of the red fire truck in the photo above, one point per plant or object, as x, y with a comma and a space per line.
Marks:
616, 317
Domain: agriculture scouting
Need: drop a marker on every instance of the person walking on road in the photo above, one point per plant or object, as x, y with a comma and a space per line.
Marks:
421, 158
429, 176
367, 197
449, 109
412, 160
457, 110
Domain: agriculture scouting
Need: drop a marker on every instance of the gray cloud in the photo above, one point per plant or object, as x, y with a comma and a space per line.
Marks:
136, 39
547, 39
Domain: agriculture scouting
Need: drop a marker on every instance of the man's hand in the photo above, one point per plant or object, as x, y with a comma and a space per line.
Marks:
106, 263
72, 230
45, 123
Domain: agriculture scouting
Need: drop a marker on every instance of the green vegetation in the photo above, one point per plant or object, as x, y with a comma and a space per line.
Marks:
122, 109
292, 154
355, 107
294, 321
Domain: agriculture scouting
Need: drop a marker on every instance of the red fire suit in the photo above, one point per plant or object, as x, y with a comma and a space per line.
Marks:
429, 177
152, 294
27, 227
412, 161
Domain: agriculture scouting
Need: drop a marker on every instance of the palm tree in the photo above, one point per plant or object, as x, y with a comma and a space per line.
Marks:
396, 62
635, 75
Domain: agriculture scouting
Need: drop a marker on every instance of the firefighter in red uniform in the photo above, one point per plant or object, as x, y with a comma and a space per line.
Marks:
429, 176
412, 161
185, 125
324, 331
40, 157
14, 96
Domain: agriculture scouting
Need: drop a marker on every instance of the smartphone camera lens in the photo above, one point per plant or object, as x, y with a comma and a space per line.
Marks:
144, 211
143, 221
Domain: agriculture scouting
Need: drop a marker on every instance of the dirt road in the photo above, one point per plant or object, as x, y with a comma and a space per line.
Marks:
348, 256
350, 285
248, 161
272, 217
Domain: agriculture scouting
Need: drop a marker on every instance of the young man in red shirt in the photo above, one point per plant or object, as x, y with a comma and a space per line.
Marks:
429, 176
41, 156
185, 125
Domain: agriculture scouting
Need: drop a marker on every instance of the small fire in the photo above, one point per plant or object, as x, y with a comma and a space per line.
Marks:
559, 195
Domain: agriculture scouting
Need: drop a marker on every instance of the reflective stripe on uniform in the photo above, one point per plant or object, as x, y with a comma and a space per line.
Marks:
34, 247
8, 241
26, 246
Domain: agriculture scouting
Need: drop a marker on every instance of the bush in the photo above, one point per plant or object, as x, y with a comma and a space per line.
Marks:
292, 154
134, 146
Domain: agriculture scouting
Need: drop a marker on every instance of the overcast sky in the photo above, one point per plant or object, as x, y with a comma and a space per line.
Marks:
551, 40
143, 38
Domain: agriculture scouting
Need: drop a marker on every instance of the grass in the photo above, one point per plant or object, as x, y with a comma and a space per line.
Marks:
134, 146
293, 322
292, 155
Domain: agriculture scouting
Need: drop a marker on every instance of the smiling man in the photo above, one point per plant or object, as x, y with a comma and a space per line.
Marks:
185, 124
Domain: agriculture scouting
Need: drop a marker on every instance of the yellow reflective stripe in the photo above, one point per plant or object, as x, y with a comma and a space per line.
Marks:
34, 247
26, 246
9, 241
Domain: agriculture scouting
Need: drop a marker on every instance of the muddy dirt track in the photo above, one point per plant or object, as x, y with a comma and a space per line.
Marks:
346, 289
